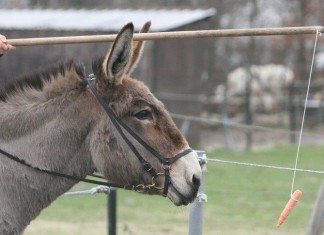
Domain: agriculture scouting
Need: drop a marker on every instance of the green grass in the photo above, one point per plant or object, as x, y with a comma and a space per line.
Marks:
241, 200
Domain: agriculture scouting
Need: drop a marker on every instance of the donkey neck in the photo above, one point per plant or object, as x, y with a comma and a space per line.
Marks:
50, 132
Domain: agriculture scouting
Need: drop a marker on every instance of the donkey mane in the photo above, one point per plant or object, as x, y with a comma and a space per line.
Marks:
37, 80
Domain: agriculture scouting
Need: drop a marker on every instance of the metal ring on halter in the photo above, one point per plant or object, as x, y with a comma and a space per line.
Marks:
140, 188
166, 166
153, 181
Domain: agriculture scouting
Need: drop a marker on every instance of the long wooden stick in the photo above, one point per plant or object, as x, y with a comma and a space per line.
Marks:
170, 35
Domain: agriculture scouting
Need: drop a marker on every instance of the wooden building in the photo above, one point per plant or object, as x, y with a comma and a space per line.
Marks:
172, 68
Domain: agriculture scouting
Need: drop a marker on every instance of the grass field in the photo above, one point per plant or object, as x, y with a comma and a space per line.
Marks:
241, 200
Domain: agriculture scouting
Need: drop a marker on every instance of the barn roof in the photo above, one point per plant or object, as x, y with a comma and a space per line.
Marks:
98, 20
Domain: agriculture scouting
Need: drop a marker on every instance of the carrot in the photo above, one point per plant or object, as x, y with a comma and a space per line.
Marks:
289, 206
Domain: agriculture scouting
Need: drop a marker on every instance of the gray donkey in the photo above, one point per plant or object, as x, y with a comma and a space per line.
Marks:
53, 121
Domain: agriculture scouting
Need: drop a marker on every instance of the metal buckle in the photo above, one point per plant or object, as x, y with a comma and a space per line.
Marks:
91, 77
166, 166
140, 188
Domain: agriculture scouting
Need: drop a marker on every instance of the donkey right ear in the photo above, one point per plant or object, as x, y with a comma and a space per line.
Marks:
117, 61
138, 48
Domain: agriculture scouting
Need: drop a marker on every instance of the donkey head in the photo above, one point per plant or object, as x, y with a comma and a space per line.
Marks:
136, 107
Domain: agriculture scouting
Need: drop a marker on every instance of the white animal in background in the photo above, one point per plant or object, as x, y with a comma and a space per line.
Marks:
267, 83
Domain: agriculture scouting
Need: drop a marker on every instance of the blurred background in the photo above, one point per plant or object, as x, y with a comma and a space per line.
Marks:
238, 98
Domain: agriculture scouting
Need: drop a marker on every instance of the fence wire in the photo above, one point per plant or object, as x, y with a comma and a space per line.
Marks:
263, 166
240, 125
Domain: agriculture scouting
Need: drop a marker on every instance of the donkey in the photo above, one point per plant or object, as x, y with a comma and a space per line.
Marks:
53, 121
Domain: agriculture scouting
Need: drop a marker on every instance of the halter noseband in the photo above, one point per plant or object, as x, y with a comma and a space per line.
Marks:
120, 126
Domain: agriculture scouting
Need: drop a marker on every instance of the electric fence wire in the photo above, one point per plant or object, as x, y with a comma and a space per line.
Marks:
240, 125
263, 166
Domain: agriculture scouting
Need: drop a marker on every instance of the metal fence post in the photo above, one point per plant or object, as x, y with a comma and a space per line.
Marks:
196, 208
316, 225
112, 214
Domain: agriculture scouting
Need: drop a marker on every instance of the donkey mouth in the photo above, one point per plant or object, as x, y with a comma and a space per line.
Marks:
178, 198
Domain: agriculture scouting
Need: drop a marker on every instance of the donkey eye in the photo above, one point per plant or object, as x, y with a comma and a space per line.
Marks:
144, 115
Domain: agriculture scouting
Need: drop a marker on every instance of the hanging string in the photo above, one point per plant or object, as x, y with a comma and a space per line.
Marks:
305, 105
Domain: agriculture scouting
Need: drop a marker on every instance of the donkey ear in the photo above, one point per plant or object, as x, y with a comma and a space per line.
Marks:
118, 59
138, 48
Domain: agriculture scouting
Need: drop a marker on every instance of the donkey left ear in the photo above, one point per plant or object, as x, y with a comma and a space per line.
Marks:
117, 61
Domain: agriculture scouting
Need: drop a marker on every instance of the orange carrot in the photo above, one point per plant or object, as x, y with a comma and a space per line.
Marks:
289, 206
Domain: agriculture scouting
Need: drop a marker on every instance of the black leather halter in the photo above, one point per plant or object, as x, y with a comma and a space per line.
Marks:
120, 126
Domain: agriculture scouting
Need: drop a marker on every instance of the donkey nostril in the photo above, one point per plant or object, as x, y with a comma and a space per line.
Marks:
196, 181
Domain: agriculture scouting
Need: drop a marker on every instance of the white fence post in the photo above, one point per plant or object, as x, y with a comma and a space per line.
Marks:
196, 208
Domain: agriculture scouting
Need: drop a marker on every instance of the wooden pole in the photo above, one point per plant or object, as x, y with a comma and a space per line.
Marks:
170, 35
